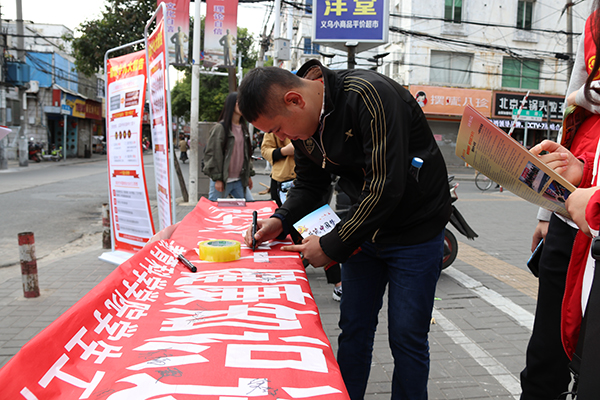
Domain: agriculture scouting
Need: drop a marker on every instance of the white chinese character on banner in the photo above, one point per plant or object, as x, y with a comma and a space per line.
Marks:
260, 316
56, 372
90, 349
131, 309
117, 330
247, 294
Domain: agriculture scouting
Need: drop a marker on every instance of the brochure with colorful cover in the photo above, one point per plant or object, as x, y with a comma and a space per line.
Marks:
505, 161
318, 222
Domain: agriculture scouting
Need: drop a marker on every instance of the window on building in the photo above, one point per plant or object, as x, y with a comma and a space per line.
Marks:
453, 11
310, 48
308, 4
524, 14
524, 74
451, 68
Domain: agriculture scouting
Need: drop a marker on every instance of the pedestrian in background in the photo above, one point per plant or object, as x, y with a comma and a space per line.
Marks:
280, 153
183, 148
228, 155
366, 129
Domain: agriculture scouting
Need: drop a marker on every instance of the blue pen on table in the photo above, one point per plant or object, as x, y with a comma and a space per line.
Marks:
254, 226
187, 263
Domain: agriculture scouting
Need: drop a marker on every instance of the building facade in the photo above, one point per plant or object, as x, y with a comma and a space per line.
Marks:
453, 53
50, 103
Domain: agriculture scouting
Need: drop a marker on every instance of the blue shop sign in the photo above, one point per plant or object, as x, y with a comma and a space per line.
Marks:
351, 20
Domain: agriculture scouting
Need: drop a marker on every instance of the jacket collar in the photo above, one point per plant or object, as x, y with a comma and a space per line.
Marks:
314, 70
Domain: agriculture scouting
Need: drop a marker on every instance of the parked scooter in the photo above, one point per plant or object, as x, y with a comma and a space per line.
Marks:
35, 151
55, 154
461, 225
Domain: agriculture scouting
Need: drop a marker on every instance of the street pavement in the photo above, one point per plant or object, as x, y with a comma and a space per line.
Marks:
483, 312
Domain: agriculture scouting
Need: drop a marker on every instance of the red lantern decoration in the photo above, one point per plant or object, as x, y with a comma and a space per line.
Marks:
74, 124
61, 123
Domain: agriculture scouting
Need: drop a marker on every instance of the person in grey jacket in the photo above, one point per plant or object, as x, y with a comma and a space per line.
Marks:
228, 155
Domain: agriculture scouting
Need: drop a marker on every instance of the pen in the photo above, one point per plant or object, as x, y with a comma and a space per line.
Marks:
254, 225
187, 263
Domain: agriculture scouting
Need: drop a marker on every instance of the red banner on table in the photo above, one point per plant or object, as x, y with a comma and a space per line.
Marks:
245, 329
126, 93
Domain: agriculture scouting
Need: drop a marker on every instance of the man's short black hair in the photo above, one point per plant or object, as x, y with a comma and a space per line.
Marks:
260, 88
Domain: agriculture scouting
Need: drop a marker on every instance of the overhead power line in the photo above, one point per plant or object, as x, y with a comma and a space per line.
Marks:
562, 32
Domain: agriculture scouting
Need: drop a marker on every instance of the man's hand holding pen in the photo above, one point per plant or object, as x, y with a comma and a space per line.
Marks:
270, 228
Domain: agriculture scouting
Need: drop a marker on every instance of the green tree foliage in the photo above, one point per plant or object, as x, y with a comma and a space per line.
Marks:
213, 89
122, 22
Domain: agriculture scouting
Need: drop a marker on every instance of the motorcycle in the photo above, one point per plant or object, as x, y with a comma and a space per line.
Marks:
35, 151
458, 222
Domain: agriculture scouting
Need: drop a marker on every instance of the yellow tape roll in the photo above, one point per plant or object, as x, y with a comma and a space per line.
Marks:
220, 250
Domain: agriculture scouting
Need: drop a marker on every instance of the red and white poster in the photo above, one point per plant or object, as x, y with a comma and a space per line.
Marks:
130, 212
160, 123
177, 29
220, 33
240, 330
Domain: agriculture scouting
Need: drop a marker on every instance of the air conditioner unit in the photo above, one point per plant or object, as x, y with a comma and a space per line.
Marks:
34, 87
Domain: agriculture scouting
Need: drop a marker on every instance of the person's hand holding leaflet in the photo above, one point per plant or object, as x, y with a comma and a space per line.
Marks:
561, 160
311, 251
576, 206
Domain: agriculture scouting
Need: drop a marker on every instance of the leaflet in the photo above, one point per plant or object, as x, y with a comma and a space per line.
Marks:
318, 222
505, 161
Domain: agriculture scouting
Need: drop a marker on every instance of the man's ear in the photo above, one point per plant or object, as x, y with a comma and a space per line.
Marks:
294, 98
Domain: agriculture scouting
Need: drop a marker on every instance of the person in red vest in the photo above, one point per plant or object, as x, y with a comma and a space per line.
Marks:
547, 374
563, 259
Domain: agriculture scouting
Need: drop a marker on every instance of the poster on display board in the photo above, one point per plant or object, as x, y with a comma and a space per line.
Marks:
160, 122
247, 329
177, 29
220, 33
130, 212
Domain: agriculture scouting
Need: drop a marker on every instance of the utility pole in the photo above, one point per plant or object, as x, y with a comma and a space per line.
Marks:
277, 12
351, 46
265, 41
569, 7
23, 151
3, 159
195, 108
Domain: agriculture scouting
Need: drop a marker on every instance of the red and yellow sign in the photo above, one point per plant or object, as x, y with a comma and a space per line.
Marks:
129, 201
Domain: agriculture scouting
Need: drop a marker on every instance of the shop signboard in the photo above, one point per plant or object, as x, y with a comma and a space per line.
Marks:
528, 115
337, 22
451, 101
504, 103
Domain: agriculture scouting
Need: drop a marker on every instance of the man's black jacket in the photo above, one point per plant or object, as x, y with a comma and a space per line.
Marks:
370, 130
